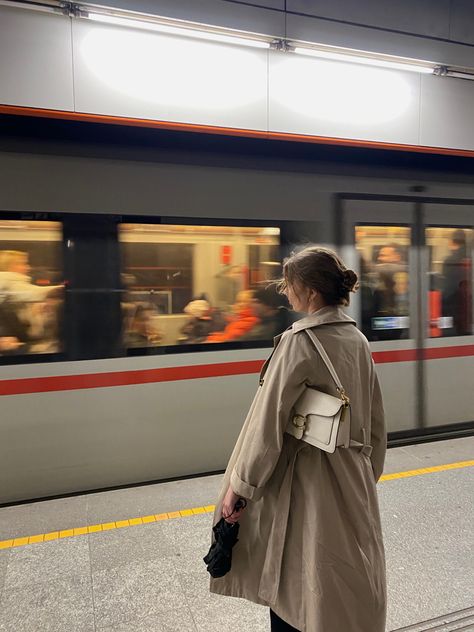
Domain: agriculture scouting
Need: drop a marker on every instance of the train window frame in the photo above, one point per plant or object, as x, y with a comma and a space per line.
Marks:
40, 357
203, 347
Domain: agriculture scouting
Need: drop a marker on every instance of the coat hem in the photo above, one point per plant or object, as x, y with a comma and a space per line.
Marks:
239, 594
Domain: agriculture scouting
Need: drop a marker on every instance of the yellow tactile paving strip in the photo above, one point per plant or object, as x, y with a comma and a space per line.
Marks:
119, 524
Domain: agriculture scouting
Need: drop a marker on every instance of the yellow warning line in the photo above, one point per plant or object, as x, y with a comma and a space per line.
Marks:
119, 524
106, 526
427, 470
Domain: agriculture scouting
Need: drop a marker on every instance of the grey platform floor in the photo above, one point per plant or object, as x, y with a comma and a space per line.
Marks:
151, 577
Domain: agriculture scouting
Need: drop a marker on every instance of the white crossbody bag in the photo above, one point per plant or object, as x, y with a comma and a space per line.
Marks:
320, 419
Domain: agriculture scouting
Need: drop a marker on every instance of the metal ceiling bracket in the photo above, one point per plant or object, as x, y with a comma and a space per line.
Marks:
71, 9
440, 71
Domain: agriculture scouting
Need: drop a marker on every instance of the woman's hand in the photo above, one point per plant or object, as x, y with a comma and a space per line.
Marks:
228, 505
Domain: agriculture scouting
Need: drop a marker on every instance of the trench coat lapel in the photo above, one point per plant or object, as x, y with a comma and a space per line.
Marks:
264, 368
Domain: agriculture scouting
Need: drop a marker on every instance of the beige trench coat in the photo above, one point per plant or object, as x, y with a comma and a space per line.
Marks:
310, 542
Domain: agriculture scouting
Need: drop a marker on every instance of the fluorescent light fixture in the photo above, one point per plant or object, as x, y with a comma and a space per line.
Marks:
413, 66
171, 29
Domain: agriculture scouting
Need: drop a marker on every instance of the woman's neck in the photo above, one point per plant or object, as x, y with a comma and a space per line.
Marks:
316, 306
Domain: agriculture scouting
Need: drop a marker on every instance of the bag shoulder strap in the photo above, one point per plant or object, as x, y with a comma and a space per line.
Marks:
316, 342
365, 447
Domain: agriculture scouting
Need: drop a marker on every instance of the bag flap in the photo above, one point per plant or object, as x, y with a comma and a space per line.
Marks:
314, 402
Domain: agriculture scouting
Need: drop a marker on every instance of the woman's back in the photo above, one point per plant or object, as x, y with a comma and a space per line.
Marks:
310, 541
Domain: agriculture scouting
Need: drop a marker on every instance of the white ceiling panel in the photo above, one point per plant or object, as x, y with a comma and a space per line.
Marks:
135, 73
462, 21
252, 16
326, 98
35, 59
447, 112
423, 17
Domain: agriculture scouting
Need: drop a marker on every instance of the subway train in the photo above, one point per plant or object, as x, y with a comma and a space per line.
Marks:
137, 303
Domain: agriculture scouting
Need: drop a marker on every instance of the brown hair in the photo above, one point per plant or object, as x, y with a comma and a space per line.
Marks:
320, 269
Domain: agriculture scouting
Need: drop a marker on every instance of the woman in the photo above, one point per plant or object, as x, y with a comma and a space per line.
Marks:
310, 543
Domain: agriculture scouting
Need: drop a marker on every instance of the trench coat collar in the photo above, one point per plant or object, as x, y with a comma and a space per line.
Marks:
324, 316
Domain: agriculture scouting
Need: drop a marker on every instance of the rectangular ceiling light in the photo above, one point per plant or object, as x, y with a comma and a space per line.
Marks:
170, 29
414, 66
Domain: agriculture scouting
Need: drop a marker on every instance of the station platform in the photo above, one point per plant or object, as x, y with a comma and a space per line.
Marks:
131, 559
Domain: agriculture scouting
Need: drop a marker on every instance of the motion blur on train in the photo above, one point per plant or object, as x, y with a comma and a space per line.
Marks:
131, 346
192, 284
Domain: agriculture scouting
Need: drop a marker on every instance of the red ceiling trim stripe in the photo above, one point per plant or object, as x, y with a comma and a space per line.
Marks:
227, 131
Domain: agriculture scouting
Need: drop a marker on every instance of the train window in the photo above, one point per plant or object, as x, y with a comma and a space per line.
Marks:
199, 284
384, 279
31, 287
450, 281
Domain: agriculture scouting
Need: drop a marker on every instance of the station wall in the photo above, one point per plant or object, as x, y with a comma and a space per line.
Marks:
55, 62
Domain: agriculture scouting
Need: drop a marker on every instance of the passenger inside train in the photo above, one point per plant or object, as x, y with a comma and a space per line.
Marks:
273, 315
241, 320
144, 329
456, 285
30, 312
203, 320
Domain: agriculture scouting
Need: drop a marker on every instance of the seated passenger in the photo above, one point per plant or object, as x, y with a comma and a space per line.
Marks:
21, 301
144, 332
242, 320
15, 279
274, 317
200, 324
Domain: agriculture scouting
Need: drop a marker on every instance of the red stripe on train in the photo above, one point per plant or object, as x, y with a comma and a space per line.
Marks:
396, 355
23, 386
434, 353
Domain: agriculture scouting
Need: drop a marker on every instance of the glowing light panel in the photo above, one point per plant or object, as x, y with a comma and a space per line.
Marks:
174, 72
340, 93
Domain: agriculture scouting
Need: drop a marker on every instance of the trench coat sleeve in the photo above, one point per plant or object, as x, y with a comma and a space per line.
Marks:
283, 383
378, 433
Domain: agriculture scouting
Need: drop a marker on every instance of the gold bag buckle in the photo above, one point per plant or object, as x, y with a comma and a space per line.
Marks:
299, 421
345, 404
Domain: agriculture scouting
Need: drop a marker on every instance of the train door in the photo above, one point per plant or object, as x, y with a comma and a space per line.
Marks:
448, 301
378, 240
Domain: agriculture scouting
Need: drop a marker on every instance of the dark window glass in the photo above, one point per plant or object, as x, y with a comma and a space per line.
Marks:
450, 281
383, 254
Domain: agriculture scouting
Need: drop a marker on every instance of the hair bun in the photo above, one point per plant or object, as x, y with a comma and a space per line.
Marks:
349, 280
